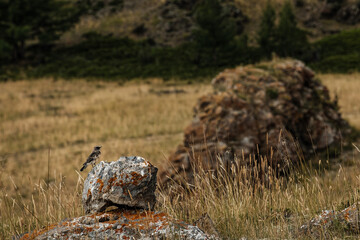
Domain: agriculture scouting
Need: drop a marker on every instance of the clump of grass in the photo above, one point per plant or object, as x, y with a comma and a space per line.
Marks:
50, 203
244, 205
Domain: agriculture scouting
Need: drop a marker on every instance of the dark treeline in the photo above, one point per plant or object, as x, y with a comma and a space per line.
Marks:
29, 30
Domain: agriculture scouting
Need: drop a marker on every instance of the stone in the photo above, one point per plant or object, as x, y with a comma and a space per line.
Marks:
206, 224
172, 26
278, 111
130, 224
330, 9
347, 219
183, 4
127, 182
349, 14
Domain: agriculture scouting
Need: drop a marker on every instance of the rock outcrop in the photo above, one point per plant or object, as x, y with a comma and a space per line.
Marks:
278, 110
349, 14
172, 22
129, 184
121, 224
130, 181
319, 226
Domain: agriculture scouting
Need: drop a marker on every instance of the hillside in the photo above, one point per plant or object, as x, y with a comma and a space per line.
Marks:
182, 39
170, 22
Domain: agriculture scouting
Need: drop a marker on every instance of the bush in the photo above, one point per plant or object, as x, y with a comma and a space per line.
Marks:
338, 53
291, 41
215, 32
112, 58
343, 43
266, 33
5, 51
108, 57
338, 63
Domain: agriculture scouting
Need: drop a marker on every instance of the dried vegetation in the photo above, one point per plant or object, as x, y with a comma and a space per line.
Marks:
48, 127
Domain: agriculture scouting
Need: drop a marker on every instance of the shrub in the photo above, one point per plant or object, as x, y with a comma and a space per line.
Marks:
343, 43
290, 40
266, 33
215, 32
338, 63
338, 53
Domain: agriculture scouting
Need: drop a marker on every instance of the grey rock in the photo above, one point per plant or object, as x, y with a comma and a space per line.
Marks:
131, 224
127, 182
319, 226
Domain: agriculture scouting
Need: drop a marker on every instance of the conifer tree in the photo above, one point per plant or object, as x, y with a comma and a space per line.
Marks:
266, 34
40, 21
215, 30
291, 41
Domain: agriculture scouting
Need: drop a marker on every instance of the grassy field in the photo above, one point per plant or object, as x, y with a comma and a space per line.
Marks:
48, 127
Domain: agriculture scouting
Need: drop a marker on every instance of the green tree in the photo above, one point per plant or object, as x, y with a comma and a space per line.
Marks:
38, 21
291, 40
266, 33
215, 31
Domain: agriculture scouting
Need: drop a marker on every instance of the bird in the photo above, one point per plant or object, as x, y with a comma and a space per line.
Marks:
92, 157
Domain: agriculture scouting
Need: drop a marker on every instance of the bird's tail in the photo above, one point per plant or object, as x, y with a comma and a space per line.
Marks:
82, 169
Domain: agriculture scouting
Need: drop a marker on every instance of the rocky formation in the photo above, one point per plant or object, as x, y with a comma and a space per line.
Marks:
129, 184
349, 14
130, 181
171, 25
172, 22
278, 110
346, 219
120, 224
321, 18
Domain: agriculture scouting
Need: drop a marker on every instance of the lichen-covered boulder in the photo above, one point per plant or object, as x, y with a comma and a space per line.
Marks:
127, 182
277, 110
320, 226
121, 224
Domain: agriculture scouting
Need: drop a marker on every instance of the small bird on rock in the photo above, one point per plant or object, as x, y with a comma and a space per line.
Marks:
92, 157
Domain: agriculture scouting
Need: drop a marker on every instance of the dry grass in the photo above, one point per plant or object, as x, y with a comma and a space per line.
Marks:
47, 124
119, 24
66, 119
241, 210
345, 87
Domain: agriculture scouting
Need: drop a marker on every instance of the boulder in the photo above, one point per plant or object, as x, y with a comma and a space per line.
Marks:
170, 25
121, 224
319, 226
277, 110
129, 181
349, 14
129, 184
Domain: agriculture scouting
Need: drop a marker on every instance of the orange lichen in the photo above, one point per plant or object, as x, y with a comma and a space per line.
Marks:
89, 193
101, 184
111, 182
137, 219
136, 178
36, 233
